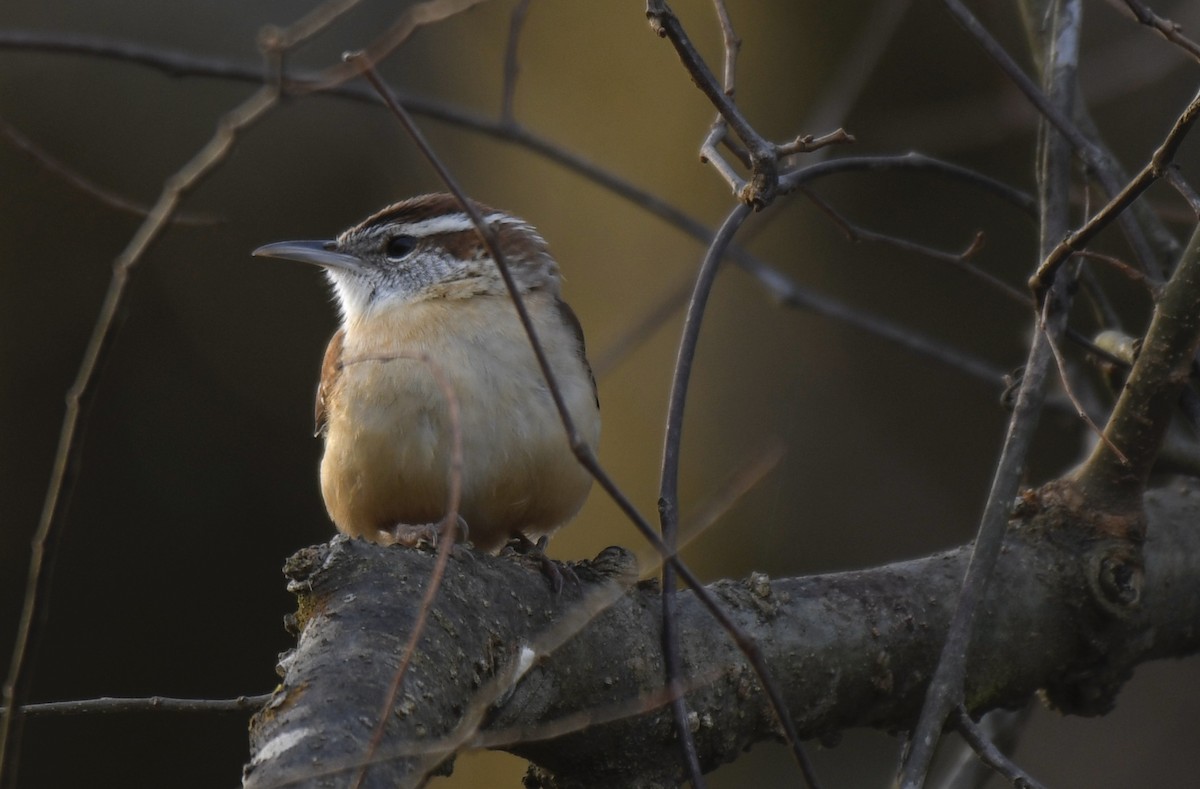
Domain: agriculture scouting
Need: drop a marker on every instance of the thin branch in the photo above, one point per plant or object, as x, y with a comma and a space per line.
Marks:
45, 540
793, 295
668, 501
959, 261
512, 65
946, 686
990, 754
414, 17
761, 155
842, 88
721, 499
1096, 158
718, 134
732, 43
945, 690
88, 187
633, 335
1003, 728
1130, 273
307, 26
761, 189
807, 143
1175, 178
910, 161
1065, 379
1171, 31
1157, 167
668, 496
108, 705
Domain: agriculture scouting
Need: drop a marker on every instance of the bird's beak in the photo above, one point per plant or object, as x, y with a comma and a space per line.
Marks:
319, 253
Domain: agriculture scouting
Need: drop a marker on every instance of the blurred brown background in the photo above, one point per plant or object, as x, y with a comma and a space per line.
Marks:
198, 473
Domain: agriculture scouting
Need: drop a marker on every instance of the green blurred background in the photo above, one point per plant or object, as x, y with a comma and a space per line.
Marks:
198, 471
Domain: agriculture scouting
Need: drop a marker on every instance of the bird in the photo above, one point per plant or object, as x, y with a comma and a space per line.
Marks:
423, 308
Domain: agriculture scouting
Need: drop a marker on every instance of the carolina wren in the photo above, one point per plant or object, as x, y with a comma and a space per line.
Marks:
417, 288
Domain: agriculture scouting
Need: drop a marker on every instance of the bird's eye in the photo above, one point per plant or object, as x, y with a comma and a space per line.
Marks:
399, 247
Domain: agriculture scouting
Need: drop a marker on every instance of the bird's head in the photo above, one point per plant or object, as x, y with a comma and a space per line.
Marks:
420, 249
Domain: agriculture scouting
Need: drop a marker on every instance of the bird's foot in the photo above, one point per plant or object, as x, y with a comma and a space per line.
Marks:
424, 535
555, 572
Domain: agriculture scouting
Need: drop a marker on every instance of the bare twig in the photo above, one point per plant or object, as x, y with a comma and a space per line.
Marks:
1176, 179
786, 290
75, 179
718, 134
414, 17
795, 296
990, 754
45, 539
108, 705
960, 261
668, 501
1096, 158
807, 143
764, 162
733, 46
1156, 168
1065, 379
761, 155
668, 497
842, 88
1002, 727
1171, 31
633, 335
307, 26
946, 687
723, 497
512, 65
1124, 269
918, 162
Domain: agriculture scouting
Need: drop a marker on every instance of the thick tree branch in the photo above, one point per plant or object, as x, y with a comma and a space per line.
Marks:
1139, 421
855, 649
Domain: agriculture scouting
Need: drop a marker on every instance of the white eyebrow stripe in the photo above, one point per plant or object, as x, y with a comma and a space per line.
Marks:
449, 223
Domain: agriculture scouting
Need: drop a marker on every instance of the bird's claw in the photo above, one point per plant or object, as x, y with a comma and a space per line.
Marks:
555, 572
423, 535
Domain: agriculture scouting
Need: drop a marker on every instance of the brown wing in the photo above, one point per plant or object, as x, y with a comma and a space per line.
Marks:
331, 370
572, 321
